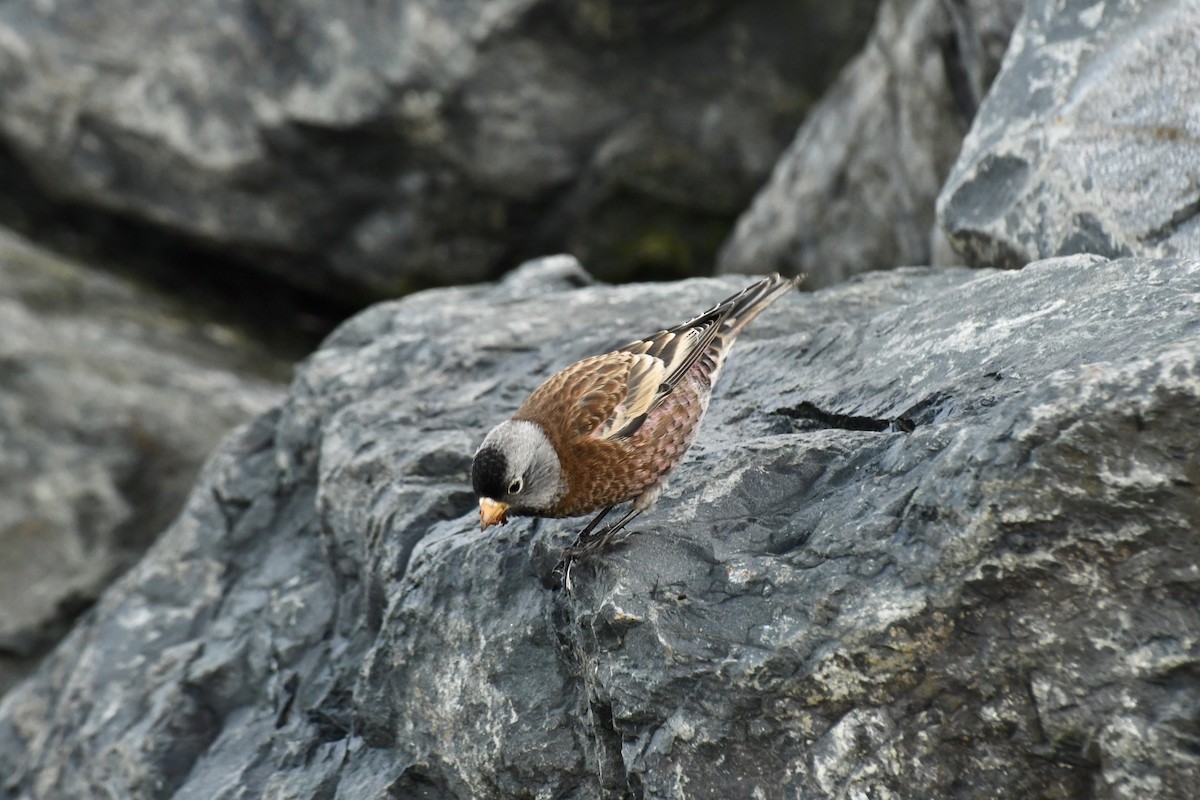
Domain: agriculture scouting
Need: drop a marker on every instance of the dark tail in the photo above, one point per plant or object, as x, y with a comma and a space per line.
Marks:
718, 327
741, 309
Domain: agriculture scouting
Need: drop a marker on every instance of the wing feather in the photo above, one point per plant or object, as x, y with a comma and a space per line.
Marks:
641, 389
610, 396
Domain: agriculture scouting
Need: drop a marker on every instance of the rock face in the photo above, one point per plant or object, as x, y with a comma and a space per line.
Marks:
362, 148
1088, 140
937, 539
109, 401
855, 191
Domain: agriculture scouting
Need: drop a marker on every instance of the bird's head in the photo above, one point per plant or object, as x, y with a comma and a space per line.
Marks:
516, 471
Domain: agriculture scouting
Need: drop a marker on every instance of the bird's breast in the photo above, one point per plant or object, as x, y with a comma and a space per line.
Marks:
604, 472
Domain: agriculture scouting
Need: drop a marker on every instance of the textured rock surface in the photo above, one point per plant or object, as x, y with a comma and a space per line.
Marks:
856, 189
937, 539
364, 147
1089, 140
109, 401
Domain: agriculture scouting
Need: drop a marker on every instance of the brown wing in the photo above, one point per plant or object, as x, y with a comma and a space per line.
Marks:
596, 396
704, 339
678, 349
615, 392
609, 396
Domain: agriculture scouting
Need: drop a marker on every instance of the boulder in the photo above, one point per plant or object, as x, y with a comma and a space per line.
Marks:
855, 190
936, 539
1087, 142
110, 398
362, 149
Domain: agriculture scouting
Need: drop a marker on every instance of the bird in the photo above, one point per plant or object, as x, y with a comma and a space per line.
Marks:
612, 428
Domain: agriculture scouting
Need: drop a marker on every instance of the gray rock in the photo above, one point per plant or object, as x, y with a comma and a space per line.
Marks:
936, 539
1087, 142
855, 191
109, 400
364, 148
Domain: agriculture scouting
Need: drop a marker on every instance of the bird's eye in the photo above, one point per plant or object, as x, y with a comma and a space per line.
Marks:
515, 487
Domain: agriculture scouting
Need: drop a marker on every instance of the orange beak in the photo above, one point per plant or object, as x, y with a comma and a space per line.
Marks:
492, 513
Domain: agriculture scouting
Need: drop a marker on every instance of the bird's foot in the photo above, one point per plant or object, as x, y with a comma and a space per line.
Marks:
585, 545
560, 578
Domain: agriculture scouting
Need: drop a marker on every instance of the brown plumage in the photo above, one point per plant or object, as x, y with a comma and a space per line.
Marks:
611, 428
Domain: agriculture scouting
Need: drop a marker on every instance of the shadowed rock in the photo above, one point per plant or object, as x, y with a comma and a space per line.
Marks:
110, 398
360, 149
855, 191
936, 539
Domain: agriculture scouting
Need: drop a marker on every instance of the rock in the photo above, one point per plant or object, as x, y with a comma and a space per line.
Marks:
936, 539
1087, 142
109, 400
855, 191
364, 149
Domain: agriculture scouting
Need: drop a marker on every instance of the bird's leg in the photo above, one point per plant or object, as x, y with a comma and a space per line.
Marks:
610, 533
583, 534
562, 570
588, 542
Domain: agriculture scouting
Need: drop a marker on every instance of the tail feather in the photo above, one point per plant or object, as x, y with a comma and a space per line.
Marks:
743, 308
709, 336
753, 300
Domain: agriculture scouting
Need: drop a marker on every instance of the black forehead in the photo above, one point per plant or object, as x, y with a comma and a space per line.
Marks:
488, 473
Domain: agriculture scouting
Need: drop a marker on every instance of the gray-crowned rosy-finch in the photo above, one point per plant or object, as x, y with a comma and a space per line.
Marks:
612, 428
